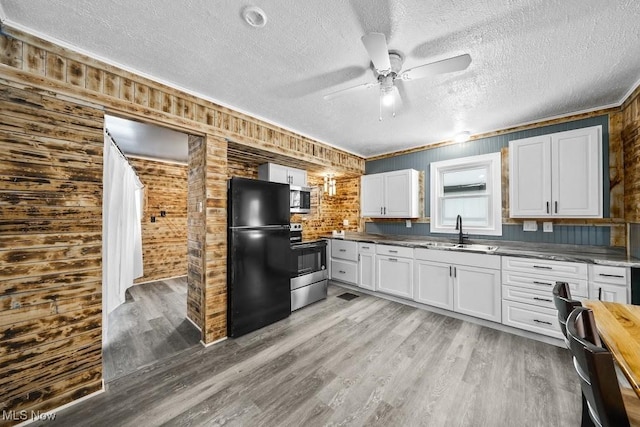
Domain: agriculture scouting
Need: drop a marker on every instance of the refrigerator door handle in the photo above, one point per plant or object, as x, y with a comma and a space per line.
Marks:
262, 227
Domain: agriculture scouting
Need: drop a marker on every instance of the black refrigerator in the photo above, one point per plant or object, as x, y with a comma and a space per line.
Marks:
258, 258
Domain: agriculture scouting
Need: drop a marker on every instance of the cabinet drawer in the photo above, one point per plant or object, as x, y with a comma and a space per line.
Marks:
366, 248
344, 249
607, 274
528, 296
558, 269
344, 271
578, 288
531, 318
394, 251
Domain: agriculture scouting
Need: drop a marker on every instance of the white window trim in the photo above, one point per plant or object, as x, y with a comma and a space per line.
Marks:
494, 181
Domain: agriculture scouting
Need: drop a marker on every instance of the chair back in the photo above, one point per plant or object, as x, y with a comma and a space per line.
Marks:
594, 365
564, 304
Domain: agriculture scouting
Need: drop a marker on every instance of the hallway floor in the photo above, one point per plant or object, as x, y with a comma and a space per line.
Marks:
149, 327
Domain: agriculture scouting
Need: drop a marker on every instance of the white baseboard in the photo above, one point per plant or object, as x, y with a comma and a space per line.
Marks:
212, 343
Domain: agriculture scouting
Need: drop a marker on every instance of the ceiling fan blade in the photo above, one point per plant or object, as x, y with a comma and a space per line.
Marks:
376, 45
457, 63
349, 90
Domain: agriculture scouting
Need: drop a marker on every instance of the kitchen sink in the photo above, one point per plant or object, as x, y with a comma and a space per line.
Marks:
476, 247
445, 245
465, 246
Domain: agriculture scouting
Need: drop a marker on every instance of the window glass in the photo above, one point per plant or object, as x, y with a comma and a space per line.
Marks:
469, 187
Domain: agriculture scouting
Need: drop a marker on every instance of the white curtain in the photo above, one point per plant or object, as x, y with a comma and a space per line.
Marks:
122, 234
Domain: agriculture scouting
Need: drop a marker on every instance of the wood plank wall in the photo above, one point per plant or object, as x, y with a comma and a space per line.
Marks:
631, 145
196, 230
328, 212
215, 304
36, 65
42, 64
164, 242
50, 250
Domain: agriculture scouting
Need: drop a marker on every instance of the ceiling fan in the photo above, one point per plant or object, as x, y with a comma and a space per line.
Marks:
388, 65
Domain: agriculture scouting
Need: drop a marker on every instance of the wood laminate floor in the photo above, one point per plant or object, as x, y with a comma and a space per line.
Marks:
367, 361
149, 327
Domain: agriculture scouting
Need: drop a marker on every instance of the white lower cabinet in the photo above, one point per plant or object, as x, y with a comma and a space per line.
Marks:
608, 283
463, 282
432, 284
367, 266
527, 292
394, 270
531, 318
344, 261
476, 292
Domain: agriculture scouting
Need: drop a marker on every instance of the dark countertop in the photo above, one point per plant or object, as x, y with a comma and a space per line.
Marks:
604, 255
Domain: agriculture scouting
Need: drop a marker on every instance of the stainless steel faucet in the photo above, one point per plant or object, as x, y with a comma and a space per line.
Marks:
461, 236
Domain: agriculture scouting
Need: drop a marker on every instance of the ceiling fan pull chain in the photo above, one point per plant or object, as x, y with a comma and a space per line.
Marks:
380, 106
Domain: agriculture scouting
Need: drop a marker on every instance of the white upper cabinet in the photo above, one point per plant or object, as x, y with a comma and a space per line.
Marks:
390, 194
371, 195
557, 175
282, 174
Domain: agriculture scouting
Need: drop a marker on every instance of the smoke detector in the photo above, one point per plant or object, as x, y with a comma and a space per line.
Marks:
254, 16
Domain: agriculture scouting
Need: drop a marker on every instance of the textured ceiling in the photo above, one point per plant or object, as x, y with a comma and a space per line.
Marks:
531, 59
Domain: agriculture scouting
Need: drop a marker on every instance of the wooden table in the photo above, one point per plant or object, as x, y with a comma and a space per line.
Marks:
619, 327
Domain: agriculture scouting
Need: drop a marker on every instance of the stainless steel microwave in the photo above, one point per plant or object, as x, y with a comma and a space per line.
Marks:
300, 199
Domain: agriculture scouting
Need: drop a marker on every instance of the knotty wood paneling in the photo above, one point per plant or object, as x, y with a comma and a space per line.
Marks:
215, 303
164, 242
52, 168
50, 246
196, 230
631, 148
111, 87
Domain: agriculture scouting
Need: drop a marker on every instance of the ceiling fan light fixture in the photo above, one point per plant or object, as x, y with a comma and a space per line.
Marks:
386, 96
254, 16
462, 136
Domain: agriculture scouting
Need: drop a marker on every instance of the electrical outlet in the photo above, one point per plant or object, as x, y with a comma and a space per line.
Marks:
345, 222
408, 223
153, 218
529, 226
163, 213
547, 227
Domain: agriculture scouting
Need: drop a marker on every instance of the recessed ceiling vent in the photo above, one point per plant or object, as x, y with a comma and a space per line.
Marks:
254, 16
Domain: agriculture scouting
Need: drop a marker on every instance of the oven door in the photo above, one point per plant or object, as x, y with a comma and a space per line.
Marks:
308, 263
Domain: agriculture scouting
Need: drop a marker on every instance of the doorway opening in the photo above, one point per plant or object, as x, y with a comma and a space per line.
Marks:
150, 322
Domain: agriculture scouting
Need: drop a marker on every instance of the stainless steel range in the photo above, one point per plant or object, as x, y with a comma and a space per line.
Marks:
308, 269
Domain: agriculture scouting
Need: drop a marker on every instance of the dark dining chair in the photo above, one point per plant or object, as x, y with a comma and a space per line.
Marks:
607, 405
565, 305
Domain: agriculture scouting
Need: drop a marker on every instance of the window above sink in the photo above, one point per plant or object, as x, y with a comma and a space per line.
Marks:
469, 187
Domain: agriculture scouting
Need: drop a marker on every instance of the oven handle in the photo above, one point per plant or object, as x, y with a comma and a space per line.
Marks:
308, 245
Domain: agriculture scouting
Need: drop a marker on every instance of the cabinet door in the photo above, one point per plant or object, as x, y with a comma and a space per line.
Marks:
398, 190
367, 271
394, 276
577, 173
477, 292
278, 173
371, 196
609, 293
298, 177
432, 284
530, 177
